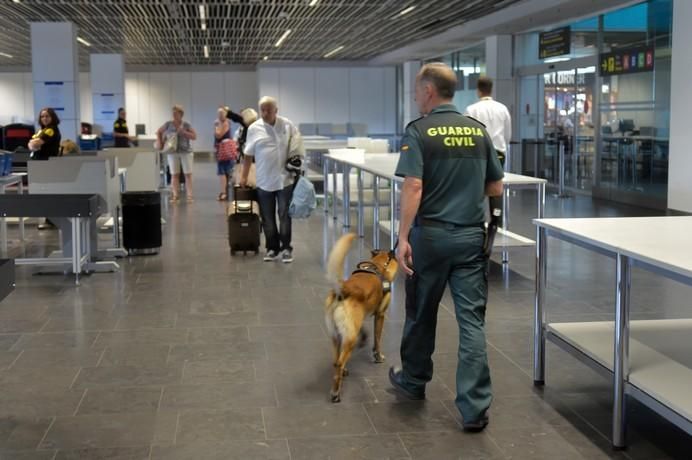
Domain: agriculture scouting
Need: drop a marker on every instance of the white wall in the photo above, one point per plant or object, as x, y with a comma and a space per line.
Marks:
333, 94
149, 98
680, 159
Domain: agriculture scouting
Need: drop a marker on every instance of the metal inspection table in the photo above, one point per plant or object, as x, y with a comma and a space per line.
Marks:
7, 181
73, 213
649, 360
383, 166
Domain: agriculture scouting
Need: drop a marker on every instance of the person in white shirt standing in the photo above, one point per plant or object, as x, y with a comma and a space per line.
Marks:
271, 141
494, 115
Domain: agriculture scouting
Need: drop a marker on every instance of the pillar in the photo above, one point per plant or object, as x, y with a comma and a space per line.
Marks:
55, 73
679, 156
498, 65
107, 90
411, 69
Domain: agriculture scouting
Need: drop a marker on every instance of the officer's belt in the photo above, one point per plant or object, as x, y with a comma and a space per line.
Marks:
423, 222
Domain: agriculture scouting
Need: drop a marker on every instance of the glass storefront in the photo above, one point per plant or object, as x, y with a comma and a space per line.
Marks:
613, 128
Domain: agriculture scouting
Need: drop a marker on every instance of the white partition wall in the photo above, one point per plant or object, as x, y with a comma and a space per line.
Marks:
333, 94
151, 95
54, 60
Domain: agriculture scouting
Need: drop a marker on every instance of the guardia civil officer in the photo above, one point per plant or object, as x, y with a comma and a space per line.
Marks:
121, 133
450, 166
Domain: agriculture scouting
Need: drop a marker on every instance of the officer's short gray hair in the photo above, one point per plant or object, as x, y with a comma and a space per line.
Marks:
268, 100
441, 76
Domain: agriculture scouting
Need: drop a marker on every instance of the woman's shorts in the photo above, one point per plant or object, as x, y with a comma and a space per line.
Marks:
224, 168
175, 160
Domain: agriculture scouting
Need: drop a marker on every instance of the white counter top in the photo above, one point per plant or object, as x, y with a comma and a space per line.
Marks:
384, 165
663, 242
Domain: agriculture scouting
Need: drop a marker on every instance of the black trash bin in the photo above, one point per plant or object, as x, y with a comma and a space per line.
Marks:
141, 222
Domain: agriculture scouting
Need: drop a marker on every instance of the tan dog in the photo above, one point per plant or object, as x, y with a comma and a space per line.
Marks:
366, 292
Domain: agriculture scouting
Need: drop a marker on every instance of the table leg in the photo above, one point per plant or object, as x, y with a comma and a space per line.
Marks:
116, 227
3, 228
539, 312
392, 214
325, 184
541, 200
621, 352
505, 218
20, 189
346, 195
335, 173
76, 248
361, 206
376, 213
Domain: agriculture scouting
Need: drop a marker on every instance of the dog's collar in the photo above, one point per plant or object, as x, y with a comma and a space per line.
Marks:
371, 268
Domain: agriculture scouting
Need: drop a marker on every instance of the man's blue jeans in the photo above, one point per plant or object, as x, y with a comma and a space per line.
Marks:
277, 239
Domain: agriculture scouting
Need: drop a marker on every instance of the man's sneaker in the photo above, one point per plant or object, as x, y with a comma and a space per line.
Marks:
395, 378
271, 256
478, 425
287, 256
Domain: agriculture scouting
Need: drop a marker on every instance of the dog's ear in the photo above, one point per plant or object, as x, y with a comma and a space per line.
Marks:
374, 252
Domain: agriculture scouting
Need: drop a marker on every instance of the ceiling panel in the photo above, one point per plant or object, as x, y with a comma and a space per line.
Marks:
169, 32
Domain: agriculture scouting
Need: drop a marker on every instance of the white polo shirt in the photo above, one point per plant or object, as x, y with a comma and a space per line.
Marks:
269, 145
496, 118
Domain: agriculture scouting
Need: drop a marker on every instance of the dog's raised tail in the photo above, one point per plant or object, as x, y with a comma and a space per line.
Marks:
335, 263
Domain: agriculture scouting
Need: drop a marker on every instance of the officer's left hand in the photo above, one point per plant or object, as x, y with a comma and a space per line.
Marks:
405, 257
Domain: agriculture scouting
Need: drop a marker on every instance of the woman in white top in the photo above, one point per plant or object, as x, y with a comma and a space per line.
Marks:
181, 154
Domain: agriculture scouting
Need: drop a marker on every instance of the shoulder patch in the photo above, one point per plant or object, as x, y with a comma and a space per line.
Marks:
404, 148
477, 121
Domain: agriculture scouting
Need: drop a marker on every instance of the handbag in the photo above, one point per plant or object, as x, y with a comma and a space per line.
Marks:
227, 150
170, 145
304, 200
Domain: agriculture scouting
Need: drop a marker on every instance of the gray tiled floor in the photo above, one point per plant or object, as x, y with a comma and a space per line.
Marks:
193, 354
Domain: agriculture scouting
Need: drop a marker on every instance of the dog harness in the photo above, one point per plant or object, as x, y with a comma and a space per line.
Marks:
371, 268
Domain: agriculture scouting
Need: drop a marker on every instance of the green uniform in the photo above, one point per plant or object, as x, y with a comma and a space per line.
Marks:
454, 157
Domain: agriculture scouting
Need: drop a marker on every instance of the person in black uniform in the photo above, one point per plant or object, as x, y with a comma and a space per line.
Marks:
121, 133
449, 166
46, 142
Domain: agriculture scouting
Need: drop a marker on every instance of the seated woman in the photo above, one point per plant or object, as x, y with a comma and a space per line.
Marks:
46, 142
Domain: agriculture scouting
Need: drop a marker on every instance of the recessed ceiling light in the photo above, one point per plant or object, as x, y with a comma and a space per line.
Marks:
204, 25
407, 10
223, 62
313, 2
283, 37
202, 12
265, 58
225, 44
83, 42
5, 54
17, 1
206, 51
333, 52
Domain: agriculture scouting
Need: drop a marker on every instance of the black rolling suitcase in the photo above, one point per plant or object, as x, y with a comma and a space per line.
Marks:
141, 222
244, 221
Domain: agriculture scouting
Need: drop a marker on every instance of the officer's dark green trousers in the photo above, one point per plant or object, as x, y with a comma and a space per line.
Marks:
441, 256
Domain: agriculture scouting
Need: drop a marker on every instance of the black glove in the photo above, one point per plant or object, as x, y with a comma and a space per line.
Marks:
294, 164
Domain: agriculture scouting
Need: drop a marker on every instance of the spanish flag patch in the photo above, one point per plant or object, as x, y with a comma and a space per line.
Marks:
404, 148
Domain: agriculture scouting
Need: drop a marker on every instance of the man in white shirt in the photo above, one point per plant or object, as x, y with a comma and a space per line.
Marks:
270, 141
494, 115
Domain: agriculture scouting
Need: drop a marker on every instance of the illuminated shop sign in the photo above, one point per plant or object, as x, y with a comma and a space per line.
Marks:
632, 60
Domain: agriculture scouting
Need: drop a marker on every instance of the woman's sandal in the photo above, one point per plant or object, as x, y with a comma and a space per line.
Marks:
222, 197
174, 199
190, 199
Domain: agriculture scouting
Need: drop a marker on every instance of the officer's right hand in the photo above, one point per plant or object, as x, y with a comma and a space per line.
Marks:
405, 257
